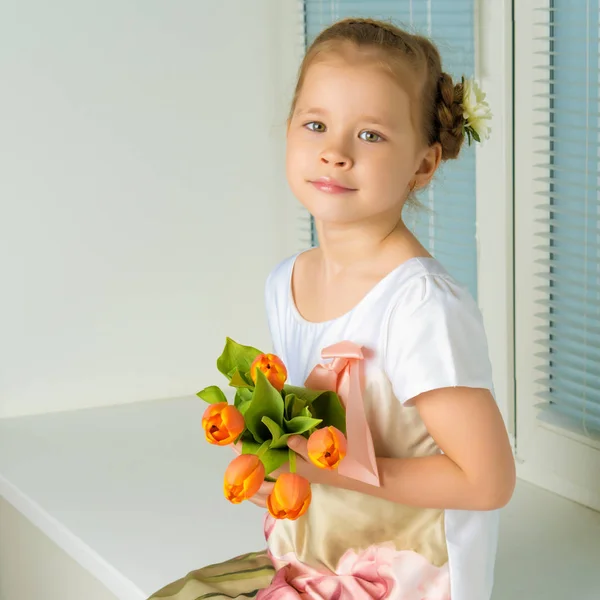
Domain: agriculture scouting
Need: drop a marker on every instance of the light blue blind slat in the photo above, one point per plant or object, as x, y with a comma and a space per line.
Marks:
571, 410
572, 367
448, 229
570, 393
573, 414
570, 217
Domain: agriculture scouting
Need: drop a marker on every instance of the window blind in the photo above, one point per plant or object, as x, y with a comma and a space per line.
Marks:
446, 224
569, 212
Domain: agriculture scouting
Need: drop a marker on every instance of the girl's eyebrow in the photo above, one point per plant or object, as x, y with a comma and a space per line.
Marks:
378, 121
312, 111
369, 119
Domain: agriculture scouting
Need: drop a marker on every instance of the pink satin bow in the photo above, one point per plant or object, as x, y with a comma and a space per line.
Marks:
366, 575
342, 375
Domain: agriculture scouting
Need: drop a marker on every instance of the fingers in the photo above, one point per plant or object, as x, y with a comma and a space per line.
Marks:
299, 445
283, 469
237, 448
260, 498
267, 487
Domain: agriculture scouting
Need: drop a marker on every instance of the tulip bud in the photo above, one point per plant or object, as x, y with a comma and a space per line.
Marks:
273, 368
290, 497
327, 447
243, 478
222, 423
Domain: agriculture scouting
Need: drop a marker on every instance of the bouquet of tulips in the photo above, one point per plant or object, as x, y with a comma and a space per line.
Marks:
265, 413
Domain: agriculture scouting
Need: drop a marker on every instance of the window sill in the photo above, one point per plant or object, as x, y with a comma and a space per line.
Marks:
133, 494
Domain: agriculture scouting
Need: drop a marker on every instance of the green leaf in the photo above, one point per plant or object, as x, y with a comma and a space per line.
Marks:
294, 406
266, 402
235, 356
470, 136
300, 425
304, 394
279, 437
249, 446
263, 448
323, 405
281, 442
212, 394
274, 459
243, 407
239, 380
476, 136
276, 431
242, 399
242, 395
328, 407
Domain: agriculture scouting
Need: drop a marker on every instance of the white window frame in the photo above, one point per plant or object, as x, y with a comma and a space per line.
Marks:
494, 192
551, 453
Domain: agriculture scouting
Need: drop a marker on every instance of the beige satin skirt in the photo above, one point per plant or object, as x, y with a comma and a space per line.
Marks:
239, 578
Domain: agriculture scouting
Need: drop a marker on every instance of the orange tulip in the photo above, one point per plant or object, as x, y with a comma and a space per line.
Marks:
327, 447
273, 368
243, 478
222, 423
290, 497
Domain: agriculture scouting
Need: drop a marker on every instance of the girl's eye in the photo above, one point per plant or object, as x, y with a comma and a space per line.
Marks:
315, 126
370, 136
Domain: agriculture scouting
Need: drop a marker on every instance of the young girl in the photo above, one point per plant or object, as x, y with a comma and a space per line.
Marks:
372, 117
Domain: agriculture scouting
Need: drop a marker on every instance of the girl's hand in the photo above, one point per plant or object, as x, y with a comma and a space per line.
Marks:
304, 467
299, 444
260, 498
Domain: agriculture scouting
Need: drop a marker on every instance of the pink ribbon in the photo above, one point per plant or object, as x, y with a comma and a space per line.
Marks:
343, 376
367, 575
376, 573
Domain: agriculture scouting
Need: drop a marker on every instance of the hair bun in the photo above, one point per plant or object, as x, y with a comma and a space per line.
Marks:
450, 116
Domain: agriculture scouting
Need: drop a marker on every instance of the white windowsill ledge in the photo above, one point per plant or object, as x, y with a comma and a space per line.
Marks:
133, 494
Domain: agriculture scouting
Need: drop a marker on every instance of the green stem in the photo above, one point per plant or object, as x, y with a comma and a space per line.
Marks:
292, 455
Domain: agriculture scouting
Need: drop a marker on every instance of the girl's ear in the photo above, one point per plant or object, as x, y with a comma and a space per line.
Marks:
428, 165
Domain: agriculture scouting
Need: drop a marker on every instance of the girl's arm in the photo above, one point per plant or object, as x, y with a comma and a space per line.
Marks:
476, 471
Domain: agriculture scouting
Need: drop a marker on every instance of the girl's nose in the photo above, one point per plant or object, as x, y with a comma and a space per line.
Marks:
335, 159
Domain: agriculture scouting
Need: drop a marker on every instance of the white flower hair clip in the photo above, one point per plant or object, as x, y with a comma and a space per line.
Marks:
476, 112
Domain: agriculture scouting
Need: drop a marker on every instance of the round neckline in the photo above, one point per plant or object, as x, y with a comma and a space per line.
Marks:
370, 292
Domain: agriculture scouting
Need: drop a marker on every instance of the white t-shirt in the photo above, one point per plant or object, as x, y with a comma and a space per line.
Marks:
420, 330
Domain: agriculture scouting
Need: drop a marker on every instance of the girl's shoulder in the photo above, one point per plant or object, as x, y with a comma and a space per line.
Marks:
278, 282
281, 271
434, 334
423, 281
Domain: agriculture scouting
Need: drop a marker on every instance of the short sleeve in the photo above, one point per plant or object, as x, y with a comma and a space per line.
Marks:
435, 339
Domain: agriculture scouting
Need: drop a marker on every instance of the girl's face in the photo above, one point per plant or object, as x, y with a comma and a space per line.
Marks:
352, 149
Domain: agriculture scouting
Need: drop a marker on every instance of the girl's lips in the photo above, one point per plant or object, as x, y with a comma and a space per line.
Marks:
330, 186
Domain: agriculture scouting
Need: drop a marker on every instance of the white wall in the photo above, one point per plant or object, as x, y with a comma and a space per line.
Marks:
142, 192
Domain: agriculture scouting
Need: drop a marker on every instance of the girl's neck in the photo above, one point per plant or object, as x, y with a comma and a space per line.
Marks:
348, 248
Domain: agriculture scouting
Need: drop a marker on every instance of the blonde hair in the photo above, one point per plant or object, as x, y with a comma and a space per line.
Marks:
439, 99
